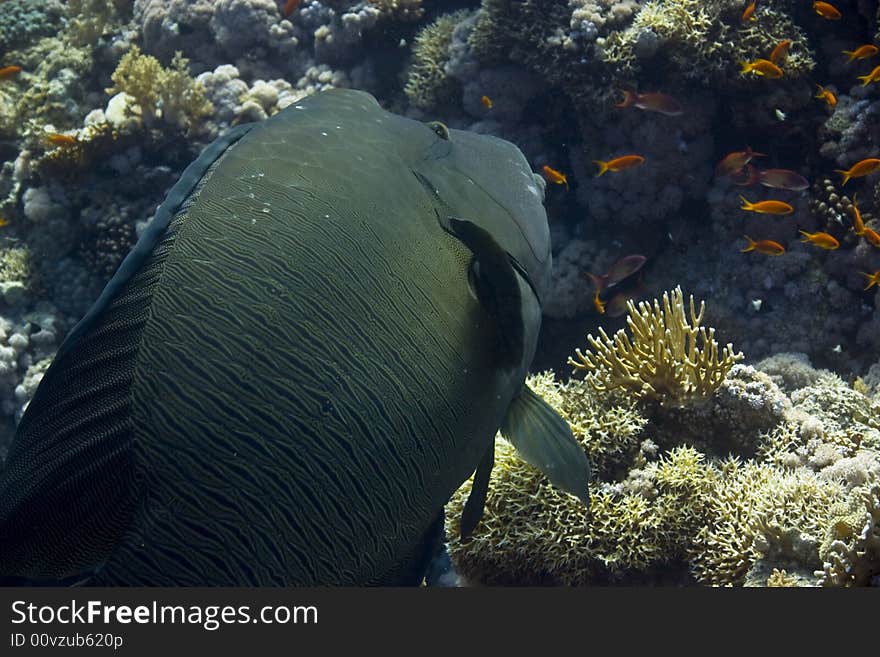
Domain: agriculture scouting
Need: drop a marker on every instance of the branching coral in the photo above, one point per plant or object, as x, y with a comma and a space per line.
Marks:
851, 550
670, 358
169, 93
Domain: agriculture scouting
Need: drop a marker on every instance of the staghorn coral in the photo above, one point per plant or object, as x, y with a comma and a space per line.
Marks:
851, 550
91, 19
670, 358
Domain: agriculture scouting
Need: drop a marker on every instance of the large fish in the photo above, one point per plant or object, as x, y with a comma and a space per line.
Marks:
311, 347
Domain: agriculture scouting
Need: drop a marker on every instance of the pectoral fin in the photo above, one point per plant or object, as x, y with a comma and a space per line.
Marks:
473, 508
497, 287
544, 440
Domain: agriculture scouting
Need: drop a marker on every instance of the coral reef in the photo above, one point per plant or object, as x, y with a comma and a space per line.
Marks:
670, 358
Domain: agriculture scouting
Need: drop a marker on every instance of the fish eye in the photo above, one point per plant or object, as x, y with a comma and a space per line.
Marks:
439, 129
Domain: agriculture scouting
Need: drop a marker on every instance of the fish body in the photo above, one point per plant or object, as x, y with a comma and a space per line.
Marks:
8, 72
862, 52
763, 67
486, 102
748, 13
289, 7
618, 163
872, 237
767, 247
734, 162
780, 51
873, 76
826, 95
860, 169
554, 176
783, 179
58, 139
821, 239
771, 206
310, 348
651, 102
827, 11
858, 222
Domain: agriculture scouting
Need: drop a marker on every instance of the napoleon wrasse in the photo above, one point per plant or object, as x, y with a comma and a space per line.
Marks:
310, 348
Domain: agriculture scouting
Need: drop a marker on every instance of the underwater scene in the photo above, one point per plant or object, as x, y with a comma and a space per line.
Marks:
445, 293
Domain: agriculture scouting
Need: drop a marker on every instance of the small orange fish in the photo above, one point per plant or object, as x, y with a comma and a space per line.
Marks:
826, 95
3, 222
780, 51
873, 279
873, 76
766, 207
619, 163
783, 179
651, 102
862, 52
598, 304
749, 13
733, 162
872, 237
827, 11
746, 177
858, 224
9, 72
822, 240
486, 102
289, 7
767, 247
762, 67
57, 139
860, 169
554, 176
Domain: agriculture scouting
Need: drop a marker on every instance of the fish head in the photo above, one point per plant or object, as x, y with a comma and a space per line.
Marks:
489, 182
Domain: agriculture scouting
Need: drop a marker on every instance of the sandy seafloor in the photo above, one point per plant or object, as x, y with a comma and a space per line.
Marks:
769, 477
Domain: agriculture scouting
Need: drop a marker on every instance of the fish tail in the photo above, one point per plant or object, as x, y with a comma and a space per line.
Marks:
866, 80
745, 67
751, 246
851, 53
746, 203
806, 236
603, 167
845, 175
598, 282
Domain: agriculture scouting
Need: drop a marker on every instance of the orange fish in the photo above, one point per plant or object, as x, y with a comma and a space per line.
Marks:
862, 52
9, 72
651, 102
749, 13
598, 304
858, 224
873, 279
554, 176
486, 102
872, 237
822, 240
826, 95
619, 163
860, 169
290, 6
766, 207
733, 162
827, 11
57, 139
767, 247
780, 51
783, 179
3, 222
746, 177
873, 76
763, 67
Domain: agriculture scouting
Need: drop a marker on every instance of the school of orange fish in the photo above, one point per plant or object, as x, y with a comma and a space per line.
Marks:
737, 166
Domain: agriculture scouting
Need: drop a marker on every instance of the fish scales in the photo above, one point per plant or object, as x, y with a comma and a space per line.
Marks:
327, 376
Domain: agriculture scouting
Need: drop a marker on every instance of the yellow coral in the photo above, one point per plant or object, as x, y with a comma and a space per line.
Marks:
170, 93
671, 358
